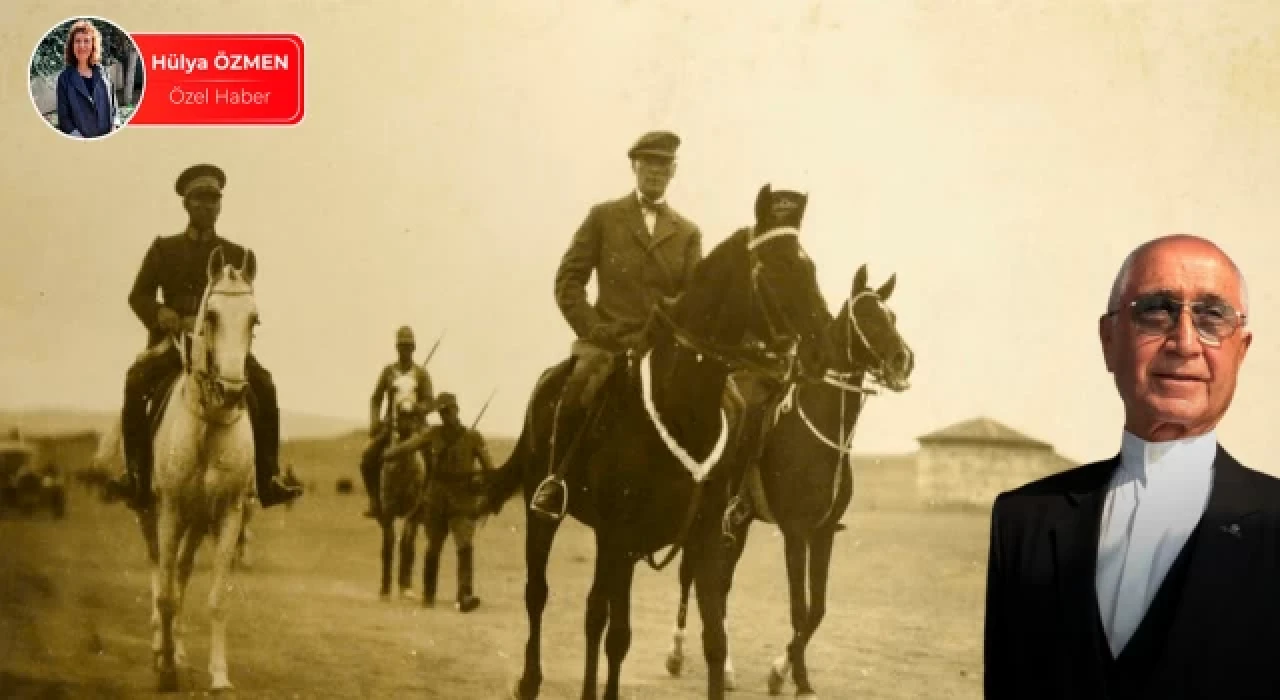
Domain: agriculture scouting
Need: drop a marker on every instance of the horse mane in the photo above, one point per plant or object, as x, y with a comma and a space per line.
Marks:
717, 272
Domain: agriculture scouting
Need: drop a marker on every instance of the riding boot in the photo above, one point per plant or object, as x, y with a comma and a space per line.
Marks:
371, 472
264, 416
133, 486
430, 575
550, 499
466, 601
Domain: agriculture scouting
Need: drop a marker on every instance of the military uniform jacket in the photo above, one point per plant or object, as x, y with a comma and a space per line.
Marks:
177, 266
453, 454
634, 270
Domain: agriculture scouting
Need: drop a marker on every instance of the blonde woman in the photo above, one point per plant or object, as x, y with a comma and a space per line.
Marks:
86, 99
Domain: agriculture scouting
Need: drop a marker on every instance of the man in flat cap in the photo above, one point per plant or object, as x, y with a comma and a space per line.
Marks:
404, 369
457, 458
177, 267
642, 251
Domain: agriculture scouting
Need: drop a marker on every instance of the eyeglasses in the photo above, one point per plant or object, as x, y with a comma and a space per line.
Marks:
1158, 314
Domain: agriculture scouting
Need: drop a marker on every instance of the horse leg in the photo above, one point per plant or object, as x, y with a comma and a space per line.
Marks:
675, 657
388, 526
228, 534
618, 640
168, 533
796, 554
819, 566
186, 562
147, 522
539, 536
597, 617
408, 542
709, 587
728, 566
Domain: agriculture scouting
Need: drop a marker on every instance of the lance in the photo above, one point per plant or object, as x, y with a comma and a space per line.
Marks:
433, 350
483, 408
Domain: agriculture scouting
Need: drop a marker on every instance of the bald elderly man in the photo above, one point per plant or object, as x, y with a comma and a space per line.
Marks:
1154, 573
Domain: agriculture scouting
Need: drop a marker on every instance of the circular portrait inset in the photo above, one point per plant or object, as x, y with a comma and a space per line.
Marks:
86, 77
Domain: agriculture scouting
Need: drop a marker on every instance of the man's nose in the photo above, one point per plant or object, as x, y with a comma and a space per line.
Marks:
1185, 336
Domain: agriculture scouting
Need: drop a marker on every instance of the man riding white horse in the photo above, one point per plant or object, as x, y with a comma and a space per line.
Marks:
176, 266
642, 251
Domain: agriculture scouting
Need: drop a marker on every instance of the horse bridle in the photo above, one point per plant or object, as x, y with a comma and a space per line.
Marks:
207, 376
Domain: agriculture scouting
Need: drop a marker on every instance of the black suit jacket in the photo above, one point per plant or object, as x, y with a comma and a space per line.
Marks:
1042, 636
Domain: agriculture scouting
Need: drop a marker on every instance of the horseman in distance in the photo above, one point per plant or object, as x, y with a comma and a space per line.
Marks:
380, 420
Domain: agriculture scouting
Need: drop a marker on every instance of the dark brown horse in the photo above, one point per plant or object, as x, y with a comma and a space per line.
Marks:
647, 473
804, 480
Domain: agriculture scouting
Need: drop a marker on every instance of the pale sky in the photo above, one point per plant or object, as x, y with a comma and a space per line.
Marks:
1001, 159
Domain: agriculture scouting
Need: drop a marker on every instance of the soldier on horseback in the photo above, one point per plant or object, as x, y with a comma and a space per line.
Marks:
379, 422
642, 252
177, 266
760, 393
455, 498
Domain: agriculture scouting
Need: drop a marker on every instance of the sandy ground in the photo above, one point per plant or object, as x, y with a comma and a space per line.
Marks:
904, 617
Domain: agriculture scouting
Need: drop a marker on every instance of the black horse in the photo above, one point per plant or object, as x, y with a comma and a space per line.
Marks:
804, 481
647, 472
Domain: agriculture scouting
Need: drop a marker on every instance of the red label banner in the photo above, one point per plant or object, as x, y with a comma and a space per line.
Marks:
220, 80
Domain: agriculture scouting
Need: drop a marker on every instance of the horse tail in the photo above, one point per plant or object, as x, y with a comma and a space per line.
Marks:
109, 446
508, 478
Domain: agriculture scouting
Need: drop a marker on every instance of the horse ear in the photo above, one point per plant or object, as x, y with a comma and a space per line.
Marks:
763, 208
216, 261
887, 288
860, 280
249, 266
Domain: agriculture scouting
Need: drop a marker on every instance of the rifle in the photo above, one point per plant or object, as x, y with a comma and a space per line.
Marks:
433, 350
483, 408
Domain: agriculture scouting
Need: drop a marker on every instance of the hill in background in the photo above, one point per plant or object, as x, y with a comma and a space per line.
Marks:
293, 424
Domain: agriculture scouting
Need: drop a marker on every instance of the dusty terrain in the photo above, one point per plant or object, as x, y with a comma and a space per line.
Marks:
904, 619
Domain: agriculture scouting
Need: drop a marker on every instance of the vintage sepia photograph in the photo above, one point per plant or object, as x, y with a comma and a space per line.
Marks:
644, 350
87, 77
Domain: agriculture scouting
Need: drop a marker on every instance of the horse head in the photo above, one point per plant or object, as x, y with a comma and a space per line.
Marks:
759, 282
223, 331
866, 333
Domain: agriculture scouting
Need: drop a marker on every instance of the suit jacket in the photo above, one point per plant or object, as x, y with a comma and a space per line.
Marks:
178, 267
1222, 639
633, 269
91, 114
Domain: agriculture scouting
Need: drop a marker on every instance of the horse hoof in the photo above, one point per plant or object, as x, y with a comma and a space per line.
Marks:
730, 680
516, 694
674, 664
168, 681
384, 597
776, 681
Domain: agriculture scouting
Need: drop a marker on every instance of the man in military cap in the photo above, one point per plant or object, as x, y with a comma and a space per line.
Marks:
642, 251
379, 422
455, 494
177, 267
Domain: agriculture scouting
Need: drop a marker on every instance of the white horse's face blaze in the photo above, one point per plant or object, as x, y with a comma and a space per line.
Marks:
230, 316
404, 399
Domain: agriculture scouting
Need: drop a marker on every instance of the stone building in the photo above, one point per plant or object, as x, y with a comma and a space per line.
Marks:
968, 464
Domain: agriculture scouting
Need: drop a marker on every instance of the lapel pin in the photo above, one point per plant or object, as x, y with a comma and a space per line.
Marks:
1233, 529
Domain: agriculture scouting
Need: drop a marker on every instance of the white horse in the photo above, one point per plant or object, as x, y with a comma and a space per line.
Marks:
203, 467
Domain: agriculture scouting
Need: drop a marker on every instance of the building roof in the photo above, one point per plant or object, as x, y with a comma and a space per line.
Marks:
983, 431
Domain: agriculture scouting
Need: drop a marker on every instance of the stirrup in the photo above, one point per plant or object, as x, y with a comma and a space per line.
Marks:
738, 512
564, 500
